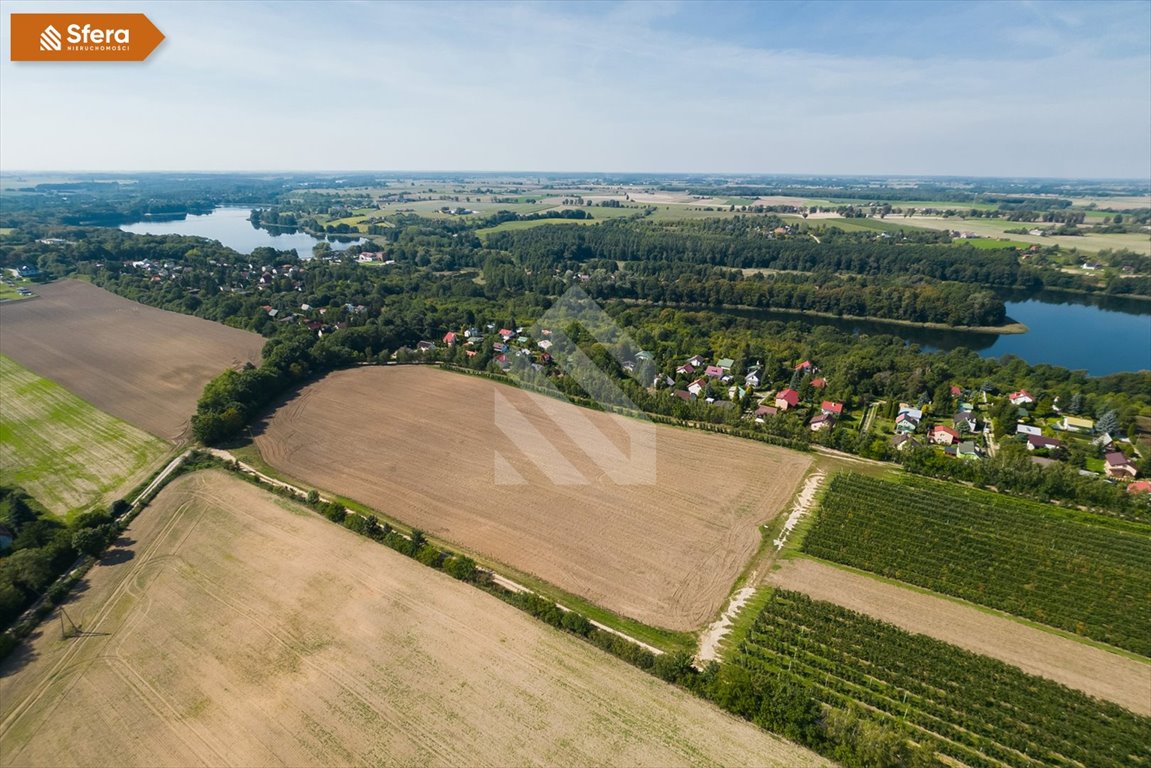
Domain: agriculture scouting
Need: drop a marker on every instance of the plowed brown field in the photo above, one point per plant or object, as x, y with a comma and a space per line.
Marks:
426, 447
245, 631
140, 364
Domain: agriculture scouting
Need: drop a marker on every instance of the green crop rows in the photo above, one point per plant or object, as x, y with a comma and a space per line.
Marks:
1071, 570
974, 709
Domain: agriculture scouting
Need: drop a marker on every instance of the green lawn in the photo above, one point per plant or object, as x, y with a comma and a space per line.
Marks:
67, 454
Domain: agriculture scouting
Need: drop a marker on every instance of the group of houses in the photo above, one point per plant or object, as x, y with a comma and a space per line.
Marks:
951, 435
695, 378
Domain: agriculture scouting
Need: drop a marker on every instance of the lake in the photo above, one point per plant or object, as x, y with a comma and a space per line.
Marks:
1100, 335
231, 227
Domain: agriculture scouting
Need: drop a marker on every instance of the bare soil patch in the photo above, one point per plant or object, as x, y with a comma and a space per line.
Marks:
1094, 671
424, 446
143, 365
245, 631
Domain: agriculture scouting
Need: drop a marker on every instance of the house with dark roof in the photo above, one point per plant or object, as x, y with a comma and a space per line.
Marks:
1034, 442
965, 420
821, 422
1119, 465
764, 411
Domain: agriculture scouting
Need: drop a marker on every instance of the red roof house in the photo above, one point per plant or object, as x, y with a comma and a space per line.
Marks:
786, 398
942, 435
831, 407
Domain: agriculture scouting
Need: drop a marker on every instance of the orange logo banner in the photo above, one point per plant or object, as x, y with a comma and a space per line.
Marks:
83, 37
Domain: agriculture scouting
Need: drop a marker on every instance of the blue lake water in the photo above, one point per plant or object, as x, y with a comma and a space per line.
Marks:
1100, 335
231, 227
1104, 337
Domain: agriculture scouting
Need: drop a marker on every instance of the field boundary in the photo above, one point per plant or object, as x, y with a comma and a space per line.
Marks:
235, 465
1082, 640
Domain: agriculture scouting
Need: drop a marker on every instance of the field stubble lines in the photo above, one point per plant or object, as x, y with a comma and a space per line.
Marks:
418, 446
142, 561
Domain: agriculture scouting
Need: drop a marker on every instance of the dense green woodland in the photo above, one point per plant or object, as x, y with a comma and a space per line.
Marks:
445, 279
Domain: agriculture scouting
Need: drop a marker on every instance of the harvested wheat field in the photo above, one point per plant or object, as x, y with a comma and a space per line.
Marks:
504, 473
245, 631
140, 364
1094, 671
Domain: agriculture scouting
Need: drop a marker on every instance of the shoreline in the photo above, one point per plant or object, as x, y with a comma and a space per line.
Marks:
1008, 329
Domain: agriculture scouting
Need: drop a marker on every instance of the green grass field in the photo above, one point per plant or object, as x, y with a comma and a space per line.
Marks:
67, 454
9, 293
1079, 572
991, 244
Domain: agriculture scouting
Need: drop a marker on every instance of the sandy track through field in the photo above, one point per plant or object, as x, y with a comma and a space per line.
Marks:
249, 632
419, 444
1105, 675
140, 364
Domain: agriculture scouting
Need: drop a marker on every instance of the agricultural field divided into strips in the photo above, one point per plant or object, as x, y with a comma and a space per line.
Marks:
1079, 572
66, 453
976, 710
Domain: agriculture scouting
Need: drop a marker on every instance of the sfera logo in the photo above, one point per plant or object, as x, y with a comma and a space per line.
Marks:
85, 37
50, 39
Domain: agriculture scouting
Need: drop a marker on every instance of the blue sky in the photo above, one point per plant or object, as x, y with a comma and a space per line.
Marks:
992, 89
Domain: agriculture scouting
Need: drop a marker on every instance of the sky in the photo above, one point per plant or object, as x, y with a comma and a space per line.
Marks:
1034, 89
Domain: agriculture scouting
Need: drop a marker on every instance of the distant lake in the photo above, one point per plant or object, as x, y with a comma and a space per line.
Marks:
1100, 335
231, 227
